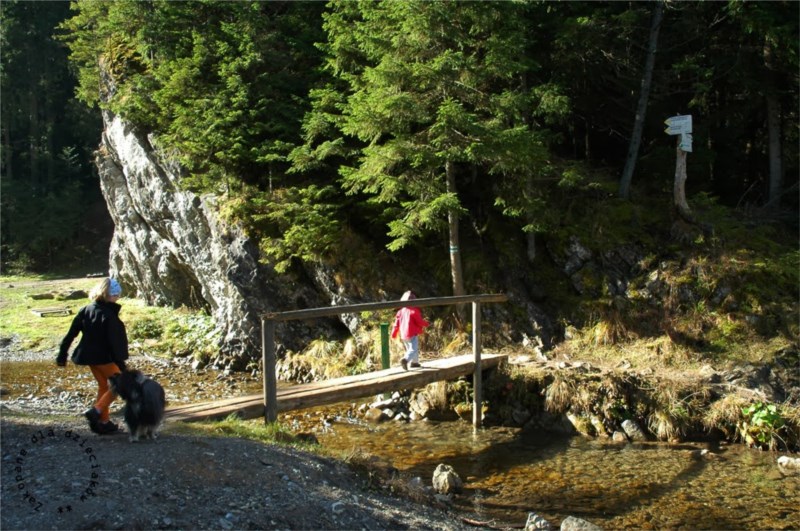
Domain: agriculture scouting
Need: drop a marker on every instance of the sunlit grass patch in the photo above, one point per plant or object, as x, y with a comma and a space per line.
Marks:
255, 430
37, 333
168, 332
154, 330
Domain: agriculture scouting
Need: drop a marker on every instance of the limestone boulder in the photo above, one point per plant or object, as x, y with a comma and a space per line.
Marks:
171, 247
446, 480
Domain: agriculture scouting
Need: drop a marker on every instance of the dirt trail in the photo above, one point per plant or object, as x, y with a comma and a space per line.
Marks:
58, 475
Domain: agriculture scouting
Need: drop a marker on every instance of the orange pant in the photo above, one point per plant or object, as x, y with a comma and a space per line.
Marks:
105, 396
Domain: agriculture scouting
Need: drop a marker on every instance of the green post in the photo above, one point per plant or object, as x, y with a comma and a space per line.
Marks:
385, 345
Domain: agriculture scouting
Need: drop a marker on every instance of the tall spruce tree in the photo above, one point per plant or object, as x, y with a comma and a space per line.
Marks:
433, 96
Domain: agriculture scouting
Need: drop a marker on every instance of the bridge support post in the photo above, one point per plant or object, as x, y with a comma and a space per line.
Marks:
268, 364
477, 384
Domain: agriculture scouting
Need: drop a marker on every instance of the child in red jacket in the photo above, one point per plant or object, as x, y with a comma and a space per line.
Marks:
409, 324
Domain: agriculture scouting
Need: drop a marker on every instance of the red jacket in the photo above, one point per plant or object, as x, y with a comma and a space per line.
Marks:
408, 323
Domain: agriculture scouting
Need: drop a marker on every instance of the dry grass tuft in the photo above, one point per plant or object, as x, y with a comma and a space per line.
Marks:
351, 351
585, 397
609, 332
612, 385
459, 343
320, 348
322, 359
663, 426
611, 328
558, 396
726, 414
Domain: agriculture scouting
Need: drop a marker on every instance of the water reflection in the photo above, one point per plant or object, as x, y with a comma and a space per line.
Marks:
509, 472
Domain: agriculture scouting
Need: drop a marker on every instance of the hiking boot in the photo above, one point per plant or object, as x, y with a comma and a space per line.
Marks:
413, 364
404, 363
93, 416
107, 428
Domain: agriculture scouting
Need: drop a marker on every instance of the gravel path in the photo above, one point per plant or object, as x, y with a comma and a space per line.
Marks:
56, 474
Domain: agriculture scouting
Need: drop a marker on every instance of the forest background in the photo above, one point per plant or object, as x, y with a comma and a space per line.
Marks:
487, 130
396, 117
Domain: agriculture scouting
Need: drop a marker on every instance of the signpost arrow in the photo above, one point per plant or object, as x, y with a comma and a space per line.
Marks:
678, 125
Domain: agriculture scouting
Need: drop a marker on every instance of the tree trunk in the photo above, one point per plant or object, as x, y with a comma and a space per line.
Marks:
773, 132
587, 146
679, 187
530, 237
641, 108
775, 162
8, 170
33, 141
49, 131
452, 221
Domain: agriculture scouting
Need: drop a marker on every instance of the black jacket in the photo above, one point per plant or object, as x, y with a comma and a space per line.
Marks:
103, 338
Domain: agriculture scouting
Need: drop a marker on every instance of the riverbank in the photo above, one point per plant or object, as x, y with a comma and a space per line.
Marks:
757, 404
58, 475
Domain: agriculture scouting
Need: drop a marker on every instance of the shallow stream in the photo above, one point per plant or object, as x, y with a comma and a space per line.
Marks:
510, 472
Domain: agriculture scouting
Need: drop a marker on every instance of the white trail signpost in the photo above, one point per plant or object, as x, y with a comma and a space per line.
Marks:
681, 126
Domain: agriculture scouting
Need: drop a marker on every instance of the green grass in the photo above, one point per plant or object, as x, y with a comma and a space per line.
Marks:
16, 302
254, 430
160, 331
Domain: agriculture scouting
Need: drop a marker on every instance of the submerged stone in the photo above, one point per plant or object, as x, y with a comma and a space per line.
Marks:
536, 522
572, 523
633, 431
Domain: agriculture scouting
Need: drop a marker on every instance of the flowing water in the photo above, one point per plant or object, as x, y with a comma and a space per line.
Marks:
508, 473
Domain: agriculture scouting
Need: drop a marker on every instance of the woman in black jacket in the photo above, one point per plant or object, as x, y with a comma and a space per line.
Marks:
103, 347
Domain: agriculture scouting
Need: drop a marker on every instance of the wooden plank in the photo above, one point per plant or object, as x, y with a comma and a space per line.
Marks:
446, 368
44, 312
336, 390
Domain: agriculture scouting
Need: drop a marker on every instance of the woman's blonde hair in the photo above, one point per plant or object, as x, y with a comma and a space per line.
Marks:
102, 291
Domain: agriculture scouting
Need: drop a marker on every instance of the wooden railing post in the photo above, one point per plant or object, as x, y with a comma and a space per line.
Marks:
477, 385
268, 363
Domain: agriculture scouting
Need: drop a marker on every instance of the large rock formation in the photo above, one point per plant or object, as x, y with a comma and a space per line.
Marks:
171, 248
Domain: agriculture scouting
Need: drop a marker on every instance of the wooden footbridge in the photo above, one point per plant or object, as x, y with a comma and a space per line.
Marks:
337, 390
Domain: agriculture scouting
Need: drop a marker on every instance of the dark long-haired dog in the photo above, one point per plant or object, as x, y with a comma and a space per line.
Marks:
144, 403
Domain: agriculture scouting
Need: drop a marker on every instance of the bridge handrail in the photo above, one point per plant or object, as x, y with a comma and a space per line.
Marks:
326, 311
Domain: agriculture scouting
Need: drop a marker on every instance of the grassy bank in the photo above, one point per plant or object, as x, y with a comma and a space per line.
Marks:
668, 405
158, 331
